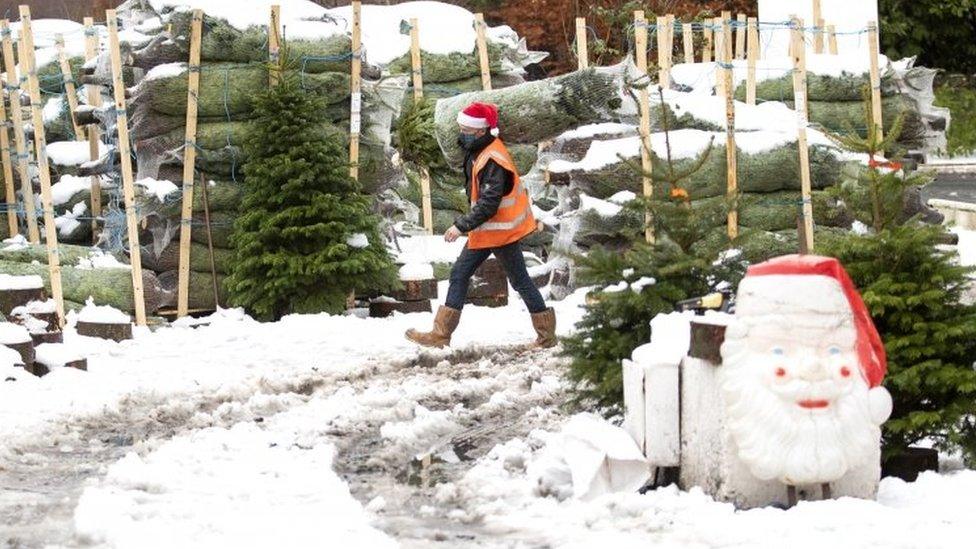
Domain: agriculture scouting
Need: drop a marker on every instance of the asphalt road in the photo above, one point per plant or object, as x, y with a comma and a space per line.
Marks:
952, 186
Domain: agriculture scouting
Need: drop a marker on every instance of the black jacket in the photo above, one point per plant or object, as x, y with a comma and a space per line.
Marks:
494, 182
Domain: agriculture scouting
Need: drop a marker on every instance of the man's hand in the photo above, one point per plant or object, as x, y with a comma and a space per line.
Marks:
452, 234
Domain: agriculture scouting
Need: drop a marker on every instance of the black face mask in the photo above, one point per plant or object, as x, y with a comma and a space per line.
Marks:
466, 140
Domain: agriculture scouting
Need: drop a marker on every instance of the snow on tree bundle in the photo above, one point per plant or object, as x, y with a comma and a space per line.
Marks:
538, 110
107, 286
69, 254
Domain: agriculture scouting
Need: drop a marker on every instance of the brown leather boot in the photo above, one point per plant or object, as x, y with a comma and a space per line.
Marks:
445, 322
545, 327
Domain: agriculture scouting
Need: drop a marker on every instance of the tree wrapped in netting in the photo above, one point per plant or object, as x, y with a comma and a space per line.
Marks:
305, 238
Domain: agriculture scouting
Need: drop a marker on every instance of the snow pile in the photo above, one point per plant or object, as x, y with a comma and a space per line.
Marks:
18, 282
358, 240
14, 243
12, 334
67, 187
102, 314
417, 271
158, 188
97, 259
67, 223
35, 307
166, 70
415, 434
428, 249
71, 153
55, 355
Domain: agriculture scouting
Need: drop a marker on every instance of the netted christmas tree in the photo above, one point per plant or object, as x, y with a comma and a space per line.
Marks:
634, 286
913, 289
306, 238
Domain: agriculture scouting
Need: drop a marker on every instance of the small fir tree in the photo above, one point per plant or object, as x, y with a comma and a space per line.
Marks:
307, 237
913, 290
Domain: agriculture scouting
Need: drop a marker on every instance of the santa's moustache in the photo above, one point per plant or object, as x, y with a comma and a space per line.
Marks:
778, 439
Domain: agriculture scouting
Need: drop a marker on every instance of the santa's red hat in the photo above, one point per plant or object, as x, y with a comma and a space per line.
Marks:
821, 286
479, 115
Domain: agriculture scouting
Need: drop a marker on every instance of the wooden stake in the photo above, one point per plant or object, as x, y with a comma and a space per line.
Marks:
800, 98
44, 171
719, 57
875, 78
740, 36
663, 52
20, 143
582, 54
274, 45
719, 39
832, 39
356, 97
69, 87
707, 47
731, 170
751, 55
8, 172
688, 38
128, 191
189, 163
479, 27
640, 47
94, 100
418, 96
210, 247
818, 42
727, 29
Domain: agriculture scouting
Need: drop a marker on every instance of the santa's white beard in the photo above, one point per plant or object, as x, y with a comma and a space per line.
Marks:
778, 439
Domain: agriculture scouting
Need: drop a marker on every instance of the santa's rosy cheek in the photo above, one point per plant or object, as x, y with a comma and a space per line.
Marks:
845, 371
780, 373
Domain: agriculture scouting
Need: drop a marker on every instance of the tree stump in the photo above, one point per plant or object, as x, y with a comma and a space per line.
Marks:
416, 290
26, 350
910, 463
105, 330
706, 341
10, 299
490, 301
382, 309
47, 337
489, 281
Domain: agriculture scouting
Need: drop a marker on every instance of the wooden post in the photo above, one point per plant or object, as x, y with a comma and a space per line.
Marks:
13, 80
44, 172
731, 171
875, 78
727, 30
719, 57
189, 162
479, 27
356, 97
125, 155
69, 87
719, 39
818, 42
740, 36
418, 96
708, 45
94, 100
582, 53
832, 39
688, 38
751, 54
663, 74
640, 47
800, 98
274, 45
8, 172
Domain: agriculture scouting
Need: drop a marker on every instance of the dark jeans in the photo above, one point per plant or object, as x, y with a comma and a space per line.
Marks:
511, 257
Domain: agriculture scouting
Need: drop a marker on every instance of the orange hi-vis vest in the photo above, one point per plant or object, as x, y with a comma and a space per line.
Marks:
514, 218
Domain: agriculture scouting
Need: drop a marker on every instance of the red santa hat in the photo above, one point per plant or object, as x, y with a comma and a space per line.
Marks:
870, 349
480, 115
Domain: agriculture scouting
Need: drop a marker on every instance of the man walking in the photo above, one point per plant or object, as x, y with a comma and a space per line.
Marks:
500, 216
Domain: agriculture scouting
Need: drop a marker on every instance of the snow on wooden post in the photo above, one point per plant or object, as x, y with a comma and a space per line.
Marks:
582, 53
13, 85
832, 39
274, 45
640, 47
44, 172
688, 40
479, 27
356, 97
740, 36
8, 172
751, 54
707, 47
189, 162
800, 104
418, 96
125, 156
69, 87
94, 100
875, 78
731, 169
818, 42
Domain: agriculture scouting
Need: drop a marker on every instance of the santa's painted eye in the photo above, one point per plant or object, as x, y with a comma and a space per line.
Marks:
845, 371
780, 372
778, 351
834, 350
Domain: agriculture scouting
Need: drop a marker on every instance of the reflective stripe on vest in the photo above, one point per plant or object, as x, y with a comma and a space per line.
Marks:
503, 225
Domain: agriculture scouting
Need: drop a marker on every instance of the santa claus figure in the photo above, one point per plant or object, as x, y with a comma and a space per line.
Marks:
801, 370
